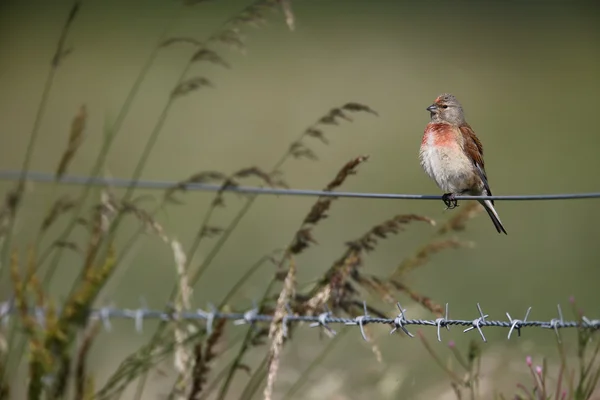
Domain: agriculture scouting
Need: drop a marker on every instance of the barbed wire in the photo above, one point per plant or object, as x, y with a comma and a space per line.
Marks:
43, 177
323, 320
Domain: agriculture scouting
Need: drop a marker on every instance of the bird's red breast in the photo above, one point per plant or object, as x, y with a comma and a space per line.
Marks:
439, 134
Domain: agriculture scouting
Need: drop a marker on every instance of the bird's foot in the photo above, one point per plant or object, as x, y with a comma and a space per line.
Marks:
450, 201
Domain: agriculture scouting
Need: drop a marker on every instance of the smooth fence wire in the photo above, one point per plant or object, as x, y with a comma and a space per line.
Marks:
323, 320
43, 177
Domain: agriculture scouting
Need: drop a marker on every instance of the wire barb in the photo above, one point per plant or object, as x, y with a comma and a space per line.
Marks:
476, 324
442, 322
323, 320
517, 323
284, 321
208, 316
105, 314
556, 323
400, 321
591, 323
360, 321
249, 317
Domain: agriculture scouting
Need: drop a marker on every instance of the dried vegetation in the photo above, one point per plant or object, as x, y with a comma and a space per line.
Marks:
56, 347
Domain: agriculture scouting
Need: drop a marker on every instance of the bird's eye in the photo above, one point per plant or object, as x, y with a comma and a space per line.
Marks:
444, 106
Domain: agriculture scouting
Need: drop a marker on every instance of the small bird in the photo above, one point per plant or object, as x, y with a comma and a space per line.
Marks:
452, 156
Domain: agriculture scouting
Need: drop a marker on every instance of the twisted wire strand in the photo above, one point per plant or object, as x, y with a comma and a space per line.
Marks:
323, 320
43, 177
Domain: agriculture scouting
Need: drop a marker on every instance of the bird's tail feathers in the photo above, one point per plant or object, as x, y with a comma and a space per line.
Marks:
487, 204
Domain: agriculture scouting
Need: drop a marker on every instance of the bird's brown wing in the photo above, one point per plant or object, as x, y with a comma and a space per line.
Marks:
474, 149
472, 145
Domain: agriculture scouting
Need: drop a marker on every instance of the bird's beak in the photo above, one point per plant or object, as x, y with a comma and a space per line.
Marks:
432, 108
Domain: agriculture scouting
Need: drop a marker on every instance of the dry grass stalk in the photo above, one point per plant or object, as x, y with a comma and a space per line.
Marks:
255, 172
358, 107
394, 225
106, 211
311, 131
227, 181
271, 178
102, 217
210, 231
253, 15
202, 359
458, 222
185, 291
190, 85
60, 206
75, 140
233, 181
232, 38
145, 218
382, 290
422, 256
60, 332
387, 290
418, 298
41, 360
82, 380
230, 35
303, 236
210, 56
66, 244
298, 149
22, 302
110, 206
32, 283
182, 359
9, 208
374, 347
60, 52
201, 177
278, 329
286, 6
334, 281
176, 40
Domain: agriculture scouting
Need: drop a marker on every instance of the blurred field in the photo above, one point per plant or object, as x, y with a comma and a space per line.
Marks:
526, 73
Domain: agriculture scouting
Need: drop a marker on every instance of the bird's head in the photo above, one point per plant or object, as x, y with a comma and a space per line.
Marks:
446, 108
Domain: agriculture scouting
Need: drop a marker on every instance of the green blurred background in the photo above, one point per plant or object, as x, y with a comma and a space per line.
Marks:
526, 72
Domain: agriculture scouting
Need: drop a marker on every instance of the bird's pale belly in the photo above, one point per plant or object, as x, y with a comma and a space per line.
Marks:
449, 168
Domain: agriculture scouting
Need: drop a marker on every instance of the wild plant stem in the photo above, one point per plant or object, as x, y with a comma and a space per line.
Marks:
258, 376
234, 223
451, 374
240, 282
218, 378
106, 146
137, 173
563, 360
109, 138
41, 109
245, 345
37, 122
314, 364
218, 246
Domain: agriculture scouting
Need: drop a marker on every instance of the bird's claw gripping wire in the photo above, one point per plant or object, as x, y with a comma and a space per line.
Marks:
450, 201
